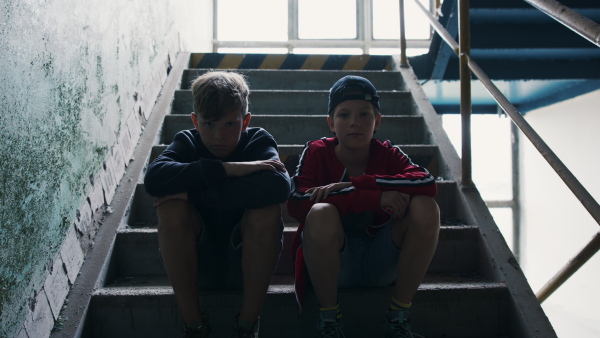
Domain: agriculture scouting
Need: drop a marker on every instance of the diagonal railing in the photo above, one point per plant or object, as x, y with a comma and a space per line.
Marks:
571, 19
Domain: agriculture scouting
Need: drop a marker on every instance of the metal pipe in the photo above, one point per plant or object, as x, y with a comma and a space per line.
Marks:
442, 32
516, 191
565, 174
465, 90
403, 57
570, 268
576, 22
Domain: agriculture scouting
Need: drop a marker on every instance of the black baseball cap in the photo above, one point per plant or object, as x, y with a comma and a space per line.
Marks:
352, 87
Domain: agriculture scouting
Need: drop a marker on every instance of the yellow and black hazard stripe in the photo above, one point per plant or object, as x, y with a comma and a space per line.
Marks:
291, 61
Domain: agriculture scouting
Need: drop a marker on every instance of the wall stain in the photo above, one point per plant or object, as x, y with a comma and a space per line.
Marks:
62, 103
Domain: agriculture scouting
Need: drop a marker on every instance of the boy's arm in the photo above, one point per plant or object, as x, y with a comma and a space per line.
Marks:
349, 199
259, 181
405, 177
178, 169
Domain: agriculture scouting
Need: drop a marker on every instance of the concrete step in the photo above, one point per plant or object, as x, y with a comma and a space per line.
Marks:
143, 214
136, 259
299, 129
445, 305
425, 155
302, 79
300, 102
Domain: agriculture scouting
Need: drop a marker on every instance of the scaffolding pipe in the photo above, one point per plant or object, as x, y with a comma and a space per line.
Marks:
576, 22
465, 91
437, 26
586, 199
570, 268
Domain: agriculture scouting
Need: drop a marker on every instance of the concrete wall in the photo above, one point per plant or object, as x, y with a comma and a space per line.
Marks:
555, 224
79, 79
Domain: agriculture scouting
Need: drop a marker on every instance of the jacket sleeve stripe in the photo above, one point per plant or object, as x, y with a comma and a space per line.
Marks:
304, 196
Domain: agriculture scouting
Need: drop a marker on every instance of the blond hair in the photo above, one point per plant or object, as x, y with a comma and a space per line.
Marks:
215, 92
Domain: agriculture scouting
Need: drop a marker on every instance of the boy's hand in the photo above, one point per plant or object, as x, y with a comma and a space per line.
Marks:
239, 169
160, 200
394, 202
321, 193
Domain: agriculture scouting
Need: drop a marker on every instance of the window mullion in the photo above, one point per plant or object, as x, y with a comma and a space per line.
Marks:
367, 24
292, 24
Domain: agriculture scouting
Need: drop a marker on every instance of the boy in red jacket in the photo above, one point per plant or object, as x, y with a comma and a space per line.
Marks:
367, 213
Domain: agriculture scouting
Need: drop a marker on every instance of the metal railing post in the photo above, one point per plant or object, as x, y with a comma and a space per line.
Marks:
586, 199
516, 190
465, 90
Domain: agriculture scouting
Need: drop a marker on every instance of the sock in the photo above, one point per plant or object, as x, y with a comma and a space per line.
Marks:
331, 313
396, 305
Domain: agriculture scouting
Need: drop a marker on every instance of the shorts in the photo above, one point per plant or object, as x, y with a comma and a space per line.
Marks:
369, 261
220, 260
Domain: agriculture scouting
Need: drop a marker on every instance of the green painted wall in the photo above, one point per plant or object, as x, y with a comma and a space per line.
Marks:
69, 71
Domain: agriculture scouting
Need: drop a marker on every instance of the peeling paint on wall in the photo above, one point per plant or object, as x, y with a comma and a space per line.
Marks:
70, 72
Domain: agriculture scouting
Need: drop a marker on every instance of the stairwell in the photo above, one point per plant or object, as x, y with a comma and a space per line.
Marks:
474, 287
534, 59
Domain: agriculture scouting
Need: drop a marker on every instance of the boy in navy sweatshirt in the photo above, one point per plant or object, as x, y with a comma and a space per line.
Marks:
218, 190
367, 213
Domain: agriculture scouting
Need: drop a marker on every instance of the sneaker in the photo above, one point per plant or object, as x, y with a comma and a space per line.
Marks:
241, 332
201, 331
329, 326
397, 325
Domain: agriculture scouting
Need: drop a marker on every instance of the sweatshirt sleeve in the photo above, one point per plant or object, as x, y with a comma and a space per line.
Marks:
257, 190
309, 175
178, 169
402, 175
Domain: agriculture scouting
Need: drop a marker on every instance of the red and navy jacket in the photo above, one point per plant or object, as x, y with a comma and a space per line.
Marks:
388, 169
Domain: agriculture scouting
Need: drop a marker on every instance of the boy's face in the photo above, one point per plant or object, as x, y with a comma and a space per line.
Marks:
222, 135
354, 122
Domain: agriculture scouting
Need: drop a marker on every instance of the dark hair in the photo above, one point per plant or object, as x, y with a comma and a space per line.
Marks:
215, 92
352, 87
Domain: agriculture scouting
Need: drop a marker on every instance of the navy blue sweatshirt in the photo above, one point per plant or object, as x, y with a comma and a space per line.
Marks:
187, 165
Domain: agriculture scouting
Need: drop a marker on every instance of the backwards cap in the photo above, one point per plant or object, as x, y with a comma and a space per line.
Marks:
352, 87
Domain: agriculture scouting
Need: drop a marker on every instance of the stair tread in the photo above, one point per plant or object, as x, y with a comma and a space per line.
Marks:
149, 284
288, 227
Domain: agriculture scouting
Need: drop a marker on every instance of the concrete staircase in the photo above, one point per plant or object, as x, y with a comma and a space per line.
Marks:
474, 286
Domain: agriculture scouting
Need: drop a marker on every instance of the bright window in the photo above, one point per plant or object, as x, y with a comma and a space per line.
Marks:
386, 22
370, 26
330, 19
256, 20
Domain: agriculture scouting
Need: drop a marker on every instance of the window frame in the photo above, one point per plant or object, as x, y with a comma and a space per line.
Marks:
363, 41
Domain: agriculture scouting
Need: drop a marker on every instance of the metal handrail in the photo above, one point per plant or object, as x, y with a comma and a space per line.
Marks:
576, 22
565, 174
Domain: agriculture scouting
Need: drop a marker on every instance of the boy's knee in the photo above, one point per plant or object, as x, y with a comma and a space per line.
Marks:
174, 209
322, 222
425, 211
424, 205
175, 214
263, 219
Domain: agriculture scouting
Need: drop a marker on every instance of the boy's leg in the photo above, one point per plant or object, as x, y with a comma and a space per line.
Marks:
261, 236
416, 234
322, 241
179, 226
